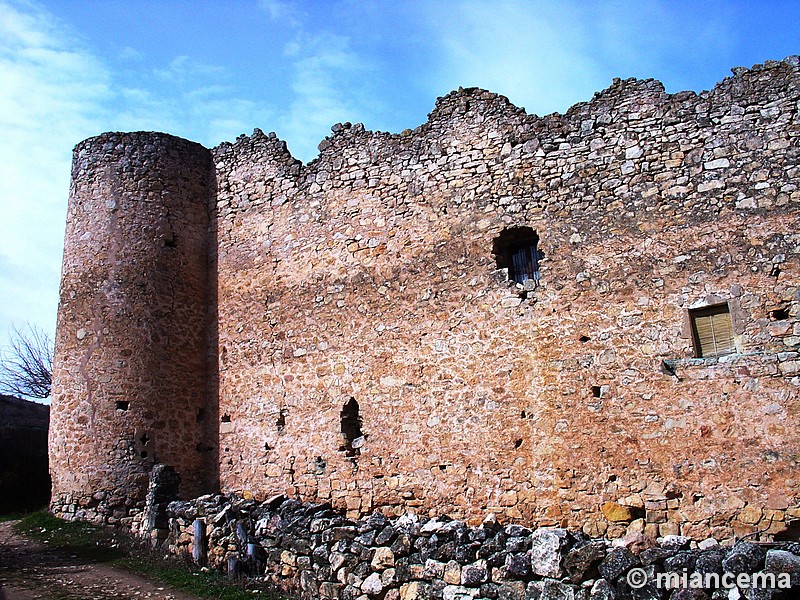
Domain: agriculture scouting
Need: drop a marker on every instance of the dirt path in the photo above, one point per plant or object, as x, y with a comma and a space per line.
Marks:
29, 570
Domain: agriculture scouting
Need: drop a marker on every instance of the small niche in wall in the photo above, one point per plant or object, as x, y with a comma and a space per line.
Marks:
280, 423
597, 391
583, 339
350, 418
225, 424
517, 443
122, 405
145, 445
779, 314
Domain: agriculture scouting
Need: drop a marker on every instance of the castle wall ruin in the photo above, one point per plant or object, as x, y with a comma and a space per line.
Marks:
361, 330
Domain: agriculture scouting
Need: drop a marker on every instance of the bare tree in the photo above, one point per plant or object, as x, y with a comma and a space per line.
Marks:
26, 364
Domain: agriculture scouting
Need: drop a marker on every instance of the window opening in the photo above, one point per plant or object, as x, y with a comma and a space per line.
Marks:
351, 427
712, 331
517, 249
122, 405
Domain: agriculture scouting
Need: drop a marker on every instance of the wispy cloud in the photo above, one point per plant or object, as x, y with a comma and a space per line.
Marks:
547, 55
183, 70
185, 97
286, 12
536, 54
330, 81
52, 95
642, 42
54, 92
329, 85
303, 66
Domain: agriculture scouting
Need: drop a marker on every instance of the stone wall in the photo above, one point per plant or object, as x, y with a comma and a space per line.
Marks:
365, 346
315, 553
370, 274
24, 473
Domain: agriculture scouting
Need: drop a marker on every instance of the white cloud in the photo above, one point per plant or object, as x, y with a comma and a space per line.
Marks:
285, 12
548, 55
642, 42
184, 70
330, 81
55, 92
330, 85
52, 93
537, 54
130, 54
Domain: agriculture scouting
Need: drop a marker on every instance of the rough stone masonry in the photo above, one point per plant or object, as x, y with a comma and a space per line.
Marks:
587, 320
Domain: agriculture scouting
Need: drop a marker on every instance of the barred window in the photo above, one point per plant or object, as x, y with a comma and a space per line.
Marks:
524, 263
517, 249
712, 331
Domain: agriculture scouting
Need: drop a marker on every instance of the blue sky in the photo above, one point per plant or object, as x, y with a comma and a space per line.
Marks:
212, 70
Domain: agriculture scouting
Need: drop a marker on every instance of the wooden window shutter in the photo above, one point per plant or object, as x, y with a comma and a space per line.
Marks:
713, 331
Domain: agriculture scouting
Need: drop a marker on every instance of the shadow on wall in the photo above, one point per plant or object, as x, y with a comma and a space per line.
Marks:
24, 469
210, 414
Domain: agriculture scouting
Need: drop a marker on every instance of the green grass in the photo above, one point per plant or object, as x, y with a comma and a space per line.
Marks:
206, 584
16, 516
81, 539
98, 545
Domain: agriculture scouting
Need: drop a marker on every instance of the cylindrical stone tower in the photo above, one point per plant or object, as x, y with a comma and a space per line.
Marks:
129, 381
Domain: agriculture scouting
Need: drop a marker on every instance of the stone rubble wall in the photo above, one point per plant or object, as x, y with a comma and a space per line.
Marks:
312, 552
369, 274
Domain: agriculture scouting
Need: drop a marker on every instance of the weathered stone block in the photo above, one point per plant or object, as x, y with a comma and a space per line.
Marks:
546, 552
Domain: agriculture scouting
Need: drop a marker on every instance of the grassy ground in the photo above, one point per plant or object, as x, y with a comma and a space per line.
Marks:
95, 544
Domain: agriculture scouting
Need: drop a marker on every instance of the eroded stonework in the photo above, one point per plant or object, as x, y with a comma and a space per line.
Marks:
347, 331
